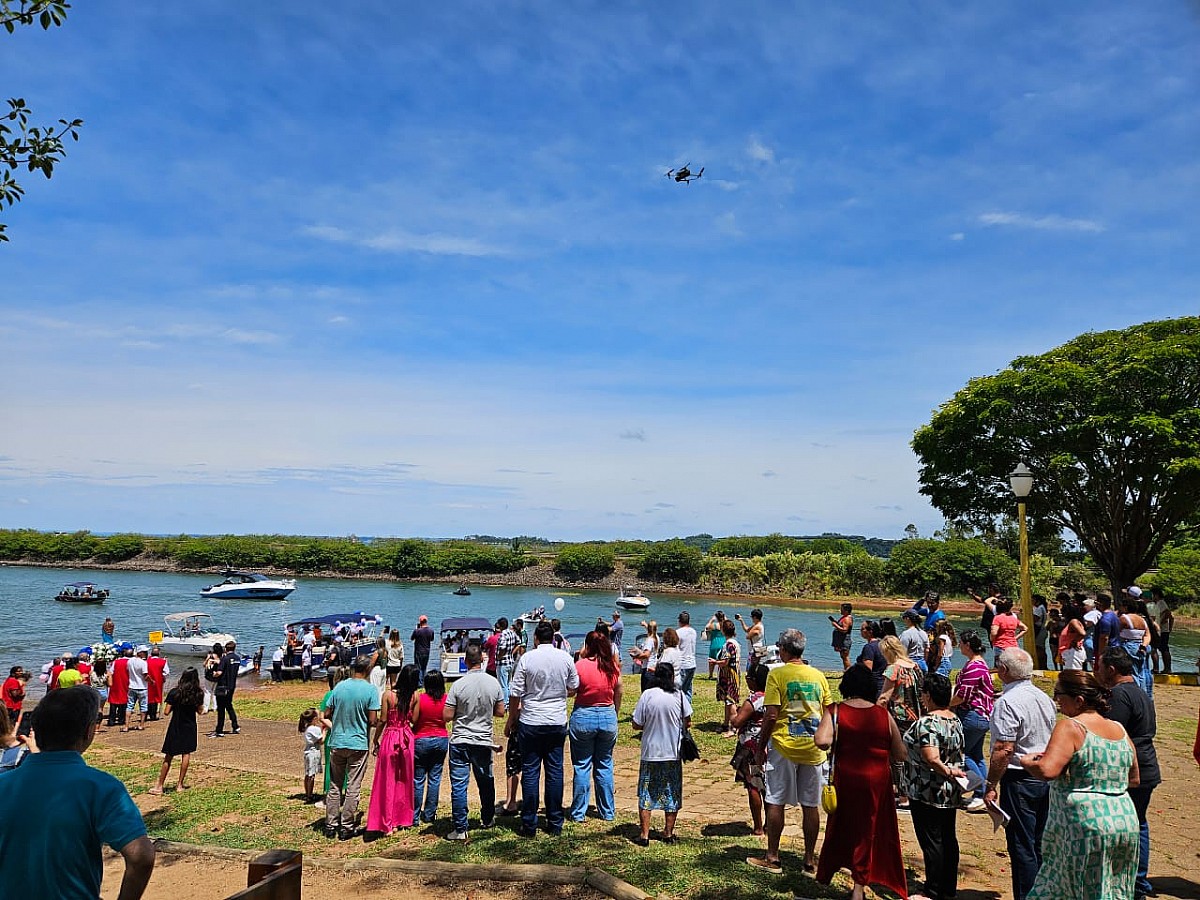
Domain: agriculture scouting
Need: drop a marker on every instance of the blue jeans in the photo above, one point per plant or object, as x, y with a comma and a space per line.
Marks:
541, 745
593, 731
429, 755
504, 675
975, 728
1027, 800
686, 683
465, 759
1141, 802
421, 661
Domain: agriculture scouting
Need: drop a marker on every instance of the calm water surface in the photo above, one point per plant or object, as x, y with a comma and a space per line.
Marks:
34, 627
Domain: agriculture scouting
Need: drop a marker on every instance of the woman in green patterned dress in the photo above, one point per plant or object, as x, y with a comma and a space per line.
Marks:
1090, 846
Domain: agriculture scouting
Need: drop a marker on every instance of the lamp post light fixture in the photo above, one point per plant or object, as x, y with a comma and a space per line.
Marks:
1020, 480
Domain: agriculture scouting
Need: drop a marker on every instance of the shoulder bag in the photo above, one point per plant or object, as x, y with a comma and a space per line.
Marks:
829, 792
688, 751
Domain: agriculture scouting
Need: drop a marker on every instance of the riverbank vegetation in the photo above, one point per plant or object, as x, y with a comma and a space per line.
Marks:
952, 562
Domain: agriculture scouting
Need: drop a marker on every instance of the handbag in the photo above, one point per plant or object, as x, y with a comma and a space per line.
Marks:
688, 751
828, 791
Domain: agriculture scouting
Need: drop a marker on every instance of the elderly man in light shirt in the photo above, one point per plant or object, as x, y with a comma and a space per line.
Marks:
542, 681
1022, 721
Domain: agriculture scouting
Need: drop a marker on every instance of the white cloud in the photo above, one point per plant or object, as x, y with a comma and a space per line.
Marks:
1052, 222
399, 241
760, 152
957, 236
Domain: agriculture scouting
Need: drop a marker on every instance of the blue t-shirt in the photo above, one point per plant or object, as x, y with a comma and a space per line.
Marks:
932, 618
57, 812
351, 701
1109, 624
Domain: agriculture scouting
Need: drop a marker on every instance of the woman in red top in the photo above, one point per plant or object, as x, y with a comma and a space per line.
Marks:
13, 695
593, 727
430, 745
1006, 629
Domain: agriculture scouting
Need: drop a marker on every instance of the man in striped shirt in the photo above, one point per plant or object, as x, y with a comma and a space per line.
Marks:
507, 651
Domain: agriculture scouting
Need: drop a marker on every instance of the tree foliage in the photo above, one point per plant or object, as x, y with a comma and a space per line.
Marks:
584, 562
670, 561
954, 566
36, 148
1109, 423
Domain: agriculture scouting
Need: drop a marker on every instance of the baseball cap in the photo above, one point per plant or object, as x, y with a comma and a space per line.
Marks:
1089, 602
142, 648
1134, 591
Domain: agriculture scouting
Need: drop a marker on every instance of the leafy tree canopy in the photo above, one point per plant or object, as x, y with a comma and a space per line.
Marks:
1109, 424
37, 148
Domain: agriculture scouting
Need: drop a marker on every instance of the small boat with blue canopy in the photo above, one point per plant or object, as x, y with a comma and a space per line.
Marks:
457, 634
350, 634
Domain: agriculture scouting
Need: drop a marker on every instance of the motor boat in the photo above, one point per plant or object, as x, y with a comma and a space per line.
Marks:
456, 635
632, 598
535, 615
82, 592
249, 586
463, 591
350, 634
191, 634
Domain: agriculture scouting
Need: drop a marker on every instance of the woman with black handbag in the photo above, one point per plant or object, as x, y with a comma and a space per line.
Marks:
663, 715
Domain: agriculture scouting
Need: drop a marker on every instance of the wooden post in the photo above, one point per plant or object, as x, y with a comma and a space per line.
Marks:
275, 875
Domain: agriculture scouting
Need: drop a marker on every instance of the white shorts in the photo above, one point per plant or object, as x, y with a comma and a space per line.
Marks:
792, 784
313, 761
1074, 658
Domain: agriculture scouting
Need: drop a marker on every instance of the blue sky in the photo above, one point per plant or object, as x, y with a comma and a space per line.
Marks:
414, 269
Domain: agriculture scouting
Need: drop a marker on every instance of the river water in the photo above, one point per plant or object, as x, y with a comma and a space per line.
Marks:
34, 627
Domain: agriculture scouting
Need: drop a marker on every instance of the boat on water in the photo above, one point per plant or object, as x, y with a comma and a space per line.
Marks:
534, 615
456, 635
249, 586
82, 592
632, 598
463, 591
191, 634
342, 635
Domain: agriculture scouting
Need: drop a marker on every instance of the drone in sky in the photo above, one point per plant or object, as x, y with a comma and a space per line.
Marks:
684, 175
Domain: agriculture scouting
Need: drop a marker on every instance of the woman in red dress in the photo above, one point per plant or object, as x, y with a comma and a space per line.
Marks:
862, 834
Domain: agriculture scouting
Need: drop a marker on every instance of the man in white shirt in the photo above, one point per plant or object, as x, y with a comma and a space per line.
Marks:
542, 681
137, 688
687, 648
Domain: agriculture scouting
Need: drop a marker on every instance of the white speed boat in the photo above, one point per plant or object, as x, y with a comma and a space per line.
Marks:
191, 634
249, 586
632, 598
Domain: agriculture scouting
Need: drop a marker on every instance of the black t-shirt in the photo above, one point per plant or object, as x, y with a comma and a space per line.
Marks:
872, 654
422, 638
230, 663
1130, 706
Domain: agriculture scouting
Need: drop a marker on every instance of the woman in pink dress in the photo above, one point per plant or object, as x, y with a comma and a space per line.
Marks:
391, 805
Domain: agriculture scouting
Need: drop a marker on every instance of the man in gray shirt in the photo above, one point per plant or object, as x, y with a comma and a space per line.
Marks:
471, 705
1022, 721
914, 638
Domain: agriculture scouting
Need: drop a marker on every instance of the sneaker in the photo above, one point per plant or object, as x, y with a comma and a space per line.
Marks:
237, 731
330, 831
490, 824
976, 805
347, 834
458, 836
216, 734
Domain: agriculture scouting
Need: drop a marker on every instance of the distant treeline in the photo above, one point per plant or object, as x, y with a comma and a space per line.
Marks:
820, 566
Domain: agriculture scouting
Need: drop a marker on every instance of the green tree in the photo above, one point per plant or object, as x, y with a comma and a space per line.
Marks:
584, 562
1109, 423
953, 566
37, 148
671, 561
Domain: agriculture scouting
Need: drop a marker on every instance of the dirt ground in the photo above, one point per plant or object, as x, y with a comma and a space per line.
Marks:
202, 878
985, 873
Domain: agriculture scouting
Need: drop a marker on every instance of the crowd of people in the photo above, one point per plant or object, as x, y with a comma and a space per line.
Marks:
905, 738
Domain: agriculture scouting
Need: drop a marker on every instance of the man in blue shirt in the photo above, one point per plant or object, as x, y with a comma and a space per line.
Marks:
1108, 629
353, 709
56, 811
928, 607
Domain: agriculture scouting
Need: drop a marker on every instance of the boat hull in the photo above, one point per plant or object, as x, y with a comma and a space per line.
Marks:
198, 645
631, 603
245, 592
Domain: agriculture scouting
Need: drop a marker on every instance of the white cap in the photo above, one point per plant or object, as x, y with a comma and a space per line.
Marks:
1134, 591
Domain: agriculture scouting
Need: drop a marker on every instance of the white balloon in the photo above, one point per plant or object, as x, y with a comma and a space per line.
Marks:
559, 603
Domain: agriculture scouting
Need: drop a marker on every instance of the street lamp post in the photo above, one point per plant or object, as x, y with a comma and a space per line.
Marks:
1021, 482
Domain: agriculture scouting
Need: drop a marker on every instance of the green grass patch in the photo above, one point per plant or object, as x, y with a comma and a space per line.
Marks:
257, 706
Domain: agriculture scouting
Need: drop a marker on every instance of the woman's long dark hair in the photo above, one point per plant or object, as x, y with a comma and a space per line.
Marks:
191, 695
599, 648
407, 684
435, 684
